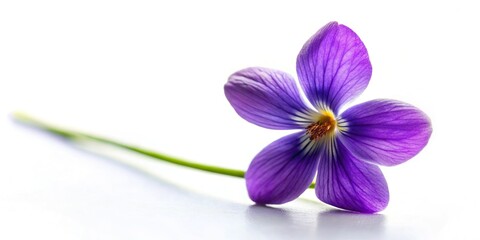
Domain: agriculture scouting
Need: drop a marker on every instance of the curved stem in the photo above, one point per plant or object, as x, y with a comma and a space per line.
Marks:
77, 136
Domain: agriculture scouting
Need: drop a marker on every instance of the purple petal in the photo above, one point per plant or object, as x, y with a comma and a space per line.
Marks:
283, 170
346, 182
333, 67
385, 132
268, 98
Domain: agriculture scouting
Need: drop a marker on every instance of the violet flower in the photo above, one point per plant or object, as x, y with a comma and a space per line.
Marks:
342, 148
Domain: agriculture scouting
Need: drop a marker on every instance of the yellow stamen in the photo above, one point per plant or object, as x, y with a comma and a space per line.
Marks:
326, 123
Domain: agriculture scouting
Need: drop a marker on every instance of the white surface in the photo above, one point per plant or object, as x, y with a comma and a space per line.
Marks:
152, 74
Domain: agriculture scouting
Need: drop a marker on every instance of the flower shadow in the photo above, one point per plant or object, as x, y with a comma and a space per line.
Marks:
273, 222
337, 224
308, 221
284, 223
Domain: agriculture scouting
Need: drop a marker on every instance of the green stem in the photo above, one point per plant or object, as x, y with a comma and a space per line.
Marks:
75, 136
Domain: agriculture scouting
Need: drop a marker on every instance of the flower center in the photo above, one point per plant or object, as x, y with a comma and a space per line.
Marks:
324, 125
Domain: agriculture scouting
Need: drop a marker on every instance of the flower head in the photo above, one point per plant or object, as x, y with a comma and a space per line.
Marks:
343, 149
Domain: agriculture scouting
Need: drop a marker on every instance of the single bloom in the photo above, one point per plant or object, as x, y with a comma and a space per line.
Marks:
343, 148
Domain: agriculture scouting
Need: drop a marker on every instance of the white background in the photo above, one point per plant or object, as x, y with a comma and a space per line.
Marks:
152, 73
